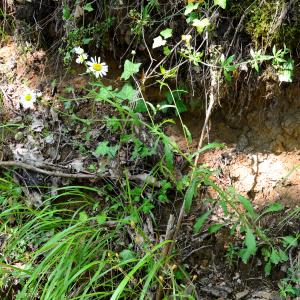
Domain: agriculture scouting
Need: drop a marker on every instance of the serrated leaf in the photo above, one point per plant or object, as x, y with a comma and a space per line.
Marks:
158, 42
189, 195
201, 24
250, 244
88, 7
190, 7
104, 93
127, 92
221, 3
130, 68
104, 149
215, 228
200, 221
274, 258
167, 33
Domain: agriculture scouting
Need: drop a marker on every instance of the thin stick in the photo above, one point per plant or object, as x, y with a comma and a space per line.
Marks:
168, 248
26, 166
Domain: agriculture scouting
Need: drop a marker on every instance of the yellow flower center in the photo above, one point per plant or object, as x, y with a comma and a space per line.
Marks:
28, 97
97, 67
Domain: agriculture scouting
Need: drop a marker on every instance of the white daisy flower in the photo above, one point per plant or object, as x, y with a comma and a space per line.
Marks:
81, 58
97, 67
78, 50
27, 99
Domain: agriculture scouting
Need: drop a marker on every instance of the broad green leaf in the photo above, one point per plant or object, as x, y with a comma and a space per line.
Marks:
286, 74
274, 258
250, 244
140, 106
215, 228
101, 218
86, 41
130, 68
104, 149
166, 50
104, 93
201, 24
88, 7
190, 7
221, 3
189, 195
167, 33
268, 268
83, 216
201, 220
127, 254
127, 92
66, 12
158, 42
289, 241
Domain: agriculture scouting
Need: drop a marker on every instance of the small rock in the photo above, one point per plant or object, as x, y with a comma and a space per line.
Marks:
241, 295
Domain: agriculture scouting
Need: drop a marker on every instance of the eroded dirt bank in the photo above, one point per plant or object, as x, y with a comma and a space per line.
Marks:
260, 159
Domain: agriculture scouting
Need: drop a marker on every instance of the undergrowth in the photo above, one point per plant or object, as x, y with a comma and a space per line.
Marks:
105, 238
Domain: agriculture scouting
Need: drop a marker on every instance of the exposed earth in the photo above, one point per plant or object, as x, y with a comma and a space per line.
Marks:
260, 158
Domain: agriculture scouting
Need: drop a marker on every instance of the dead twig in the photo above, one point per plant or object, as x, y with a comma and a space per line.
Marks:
4, 164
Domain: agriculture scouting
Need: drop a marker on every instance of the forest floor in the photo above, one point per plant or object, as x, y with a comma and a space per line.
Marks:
260, 159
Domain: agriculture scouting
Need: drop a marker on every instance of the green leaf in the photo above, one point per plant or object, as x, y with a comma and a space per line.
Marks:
286, 74
189, 195
201, 24
140, 106
104, 93
250, 244
158, 42
127, 254
274, 258
66, 12
289, 241
104, 149
167, 33
200, 221
86, 41
166, 50
190, 7
168, 155
268, 268
130, 69
83, 216
274, 207
127, 92
221, 3
187, 133
214, 228
101, 219
88, 7
247, 205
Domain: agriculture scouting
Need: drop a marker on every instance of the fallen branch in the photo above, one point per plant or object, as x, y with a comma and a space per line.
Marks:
4, 164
